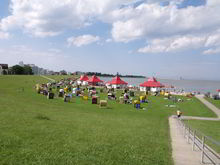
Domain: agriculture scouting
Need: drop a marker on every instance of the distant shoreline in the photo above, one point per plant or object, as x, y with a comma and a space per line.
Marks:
126, 76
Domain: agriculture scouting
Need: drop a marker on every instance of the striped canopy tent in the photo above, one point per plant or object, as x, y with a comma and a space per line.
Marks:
84, 78
94, 80
117, 81
152, 82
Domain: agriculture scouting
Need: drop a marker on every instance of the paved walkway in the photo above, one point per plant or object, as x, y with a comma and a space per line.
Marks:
47, 78
181, 151
200, 118
209, 105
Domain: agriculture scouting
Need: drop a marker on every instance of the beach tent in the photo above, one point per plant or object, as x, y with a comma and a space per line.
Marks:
117, 82
151, 84
218, 90
83, 80
94, 80
108, 84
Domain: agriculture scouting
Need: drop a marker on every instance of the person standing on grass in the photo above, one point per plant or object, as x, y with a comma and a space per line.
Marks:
179, 113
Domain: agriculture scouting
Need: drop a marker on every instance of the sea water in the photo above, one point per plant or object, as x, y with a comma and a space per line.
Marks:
202, 86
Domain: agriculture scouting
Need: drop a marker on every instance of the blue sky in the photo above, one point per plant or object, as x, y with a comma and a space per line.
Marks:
163, 38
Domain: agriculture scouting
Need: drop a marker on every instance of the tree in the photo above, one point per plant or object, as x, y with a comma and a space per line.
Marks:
4, 72
63, 72
28, 70
17, 69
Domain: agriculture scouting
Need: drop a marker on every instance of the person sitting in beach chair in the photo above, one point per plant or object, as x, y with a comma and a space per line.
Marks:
111, 96
61, 93
126, 99
66, 98
45, 91
50, 95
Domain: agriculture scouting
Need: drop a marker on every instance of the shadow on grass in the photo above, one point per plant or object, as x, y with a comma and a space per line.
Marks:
42, 117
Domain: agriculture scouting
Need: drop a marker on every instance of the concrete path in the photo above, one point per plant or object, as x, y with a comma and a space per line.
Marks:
199, 118
209, 105
182, 151
47, 78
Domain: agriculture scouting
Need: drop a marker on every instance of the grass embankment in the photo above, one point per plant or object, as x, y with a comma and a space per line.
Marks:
193, 107
214, 102
35, 130
209, 128
59, 77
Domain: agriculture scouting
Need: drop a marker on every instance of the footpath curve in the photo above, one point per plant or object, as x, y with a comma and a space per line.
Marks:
47, 78
199, 118
209, 105
181, 151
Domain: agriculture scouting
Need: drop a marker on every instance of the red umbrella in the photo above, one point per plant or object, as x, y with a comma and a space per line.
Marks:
83, 78
117, 81
94, 79
152, 82
218, 90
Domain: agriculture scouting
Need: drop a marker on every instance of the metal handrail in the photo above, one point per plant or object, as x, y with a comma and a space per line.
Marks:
207, 151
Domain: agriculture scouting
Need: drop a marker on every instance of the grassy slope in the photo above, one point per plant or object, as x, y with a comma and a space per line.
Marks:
40, 131
59, 77
209, 128
194, 107
214, 102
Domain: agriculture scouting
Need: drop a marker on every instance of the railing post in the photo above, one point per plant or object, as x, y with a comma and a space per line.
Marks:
184, 131
194, 136
188, 134
203, 146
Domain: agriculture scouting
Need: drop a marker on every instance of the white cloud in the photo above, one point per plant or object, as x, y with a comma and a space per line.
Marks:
82, 40
184, 42
121, 31
21, 48
166, 28
51, 17
108, 40
156, 21
54, 50
213, 40
30, 55
212, 51
173, 44
4, 35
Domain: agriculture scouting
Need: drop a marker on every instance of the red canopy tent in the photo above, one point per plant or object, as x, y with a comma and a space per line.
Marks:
152, 82
94, 80
107, 82
83, 78
117, 81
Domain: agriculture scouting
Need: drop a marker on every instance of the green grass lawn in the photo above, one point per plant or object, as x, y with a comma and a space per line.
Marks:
214, 102
59, 77
35, 130
193, 107
209, 128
